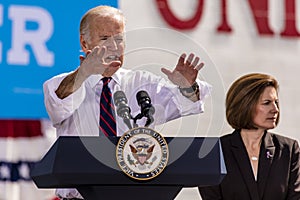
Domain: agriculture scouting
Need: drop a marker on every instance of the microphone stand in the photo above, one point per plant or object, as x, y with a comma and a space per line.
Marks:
149, 121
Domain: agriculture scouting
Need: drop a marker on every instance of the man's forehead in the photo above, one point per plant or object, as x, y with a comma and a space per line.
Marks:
108, 24
109, 19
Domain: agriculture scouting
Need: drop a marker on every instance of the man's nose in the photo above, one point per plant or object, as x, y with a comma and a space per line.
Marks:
112, 44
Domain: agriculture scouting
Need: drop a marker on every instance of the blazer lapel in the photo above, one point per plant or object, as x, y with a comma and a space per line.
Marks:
267, 152
242, 160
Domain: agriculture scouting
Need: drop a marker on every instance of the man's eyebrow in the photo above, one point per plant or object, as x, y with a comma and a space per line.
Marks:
116, 35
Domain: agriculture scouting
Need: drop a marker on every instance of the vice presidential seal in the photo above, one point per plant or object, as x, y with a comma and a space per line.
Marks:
142, 153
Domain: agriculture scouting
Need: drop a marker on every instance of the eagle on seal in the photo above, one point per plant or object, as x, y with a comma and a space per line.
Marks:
142, 153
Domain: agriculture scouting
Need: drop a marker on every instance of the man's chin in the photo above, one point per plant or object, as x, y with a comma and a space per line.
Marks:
111, 70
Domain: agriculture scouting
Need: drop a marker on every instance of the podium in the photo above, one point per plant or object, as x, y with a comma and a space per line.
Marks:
89, 164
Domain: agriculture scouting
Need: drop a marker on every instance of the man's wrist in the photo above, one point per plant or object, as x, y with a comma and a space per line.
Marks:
189, 90
192, 92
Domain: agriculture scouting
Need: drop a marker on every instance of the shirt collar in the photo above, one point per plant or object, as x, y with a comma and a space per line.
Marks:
93, 80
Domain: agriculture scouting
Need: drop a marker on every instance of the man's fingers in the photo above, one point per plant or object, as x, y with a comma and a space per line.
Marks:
200, 66
115, 64
101, 52
166, 71
181, 60
195, 62
81, 58
88, 52
190, 58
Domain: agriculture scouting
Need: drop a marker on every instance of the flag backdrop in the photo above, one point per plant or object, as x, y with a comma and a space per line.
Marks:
22, 143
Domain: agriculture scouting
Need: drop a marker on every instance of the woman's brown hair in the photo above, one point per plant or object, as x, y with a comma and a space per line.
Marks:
242, 98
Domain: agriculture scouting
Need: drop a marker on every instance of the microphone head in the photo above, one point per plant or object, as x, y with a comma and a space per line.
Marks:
119, 96
123, 110
144, 101
147, 110
142, 96
120, 100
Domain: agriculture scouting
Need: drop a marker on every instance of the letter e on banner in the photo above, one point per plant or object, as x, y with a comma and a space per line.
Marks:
36, 39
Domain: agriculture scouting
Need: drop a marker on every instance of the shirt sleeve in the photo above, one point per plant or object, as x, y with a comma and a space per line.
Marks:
166, 97
68, 193
60, 109
187, 106
177, 105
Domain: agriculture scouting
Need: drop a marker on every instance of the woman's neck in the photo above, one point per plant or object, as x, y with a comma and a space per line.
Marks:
252, 138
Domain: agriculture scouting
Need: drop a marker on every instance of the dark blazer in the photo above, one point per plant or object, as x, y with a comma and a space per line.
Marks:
278, 171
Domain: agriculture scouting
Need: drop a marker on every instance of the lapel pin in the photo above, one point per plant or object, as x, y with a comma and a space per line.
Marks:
269, 155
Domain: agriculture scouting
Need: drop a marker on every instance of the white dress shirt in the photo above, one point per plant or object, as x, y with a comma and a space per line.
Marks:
78, 114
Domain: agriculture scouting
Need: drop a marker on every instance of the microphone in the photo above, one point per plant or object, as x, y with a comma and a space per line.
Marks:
123, 110
147, 110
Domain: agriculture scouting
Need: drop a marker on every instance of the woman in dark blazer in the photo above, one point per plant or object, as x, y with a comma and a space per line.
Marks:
260, 165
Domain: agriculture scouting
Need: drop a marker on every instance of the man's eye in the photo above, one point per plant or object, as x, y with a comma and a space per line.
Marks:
104, 38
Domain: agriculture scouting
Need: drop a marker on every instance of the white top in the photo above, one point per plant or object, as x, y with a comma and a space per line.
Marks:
78, 114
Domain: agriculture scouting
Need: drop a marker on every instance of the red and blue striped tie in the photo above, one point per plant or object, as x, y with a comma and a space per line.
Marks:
107, 122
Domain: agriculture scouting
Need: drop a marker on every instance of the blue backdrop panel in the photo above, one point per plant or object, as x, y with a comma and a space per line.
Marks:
38, 39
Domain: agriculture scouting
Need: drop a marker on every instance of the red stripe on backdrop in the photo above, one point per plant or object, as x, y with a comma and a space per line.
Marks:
20, 128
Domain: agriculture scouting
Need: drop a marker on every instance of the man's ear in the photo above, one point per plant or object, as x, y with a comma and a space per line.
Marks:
83, 44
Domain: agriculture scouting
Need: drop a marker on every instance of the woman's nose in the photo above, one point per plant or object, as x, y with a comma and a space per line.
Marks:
275, 107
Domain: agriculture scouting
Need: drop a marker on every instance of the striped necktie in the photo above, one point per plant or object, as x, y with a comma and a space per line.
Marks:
107, 122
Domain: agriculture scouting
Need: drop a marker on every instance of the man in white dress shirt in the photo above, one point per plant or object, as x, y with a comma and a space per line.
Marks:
72, 99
